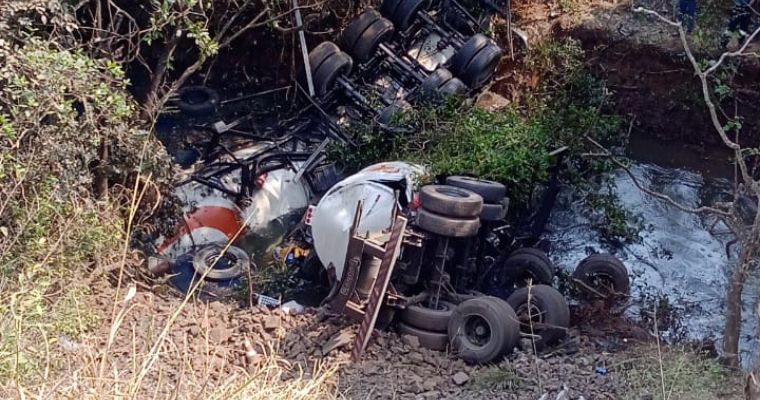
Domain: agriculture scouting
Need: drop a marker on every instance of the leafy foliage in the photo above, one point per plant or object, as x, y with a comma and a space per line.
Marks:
511, 145
66, 123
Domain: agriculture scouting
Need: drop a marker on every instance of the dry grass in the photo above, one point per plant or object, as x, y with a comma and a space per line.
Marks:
679, 373
113, 362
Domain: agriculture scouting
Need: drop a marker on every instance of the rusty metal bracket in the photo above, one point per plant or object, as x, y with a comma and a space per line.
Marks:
372, 309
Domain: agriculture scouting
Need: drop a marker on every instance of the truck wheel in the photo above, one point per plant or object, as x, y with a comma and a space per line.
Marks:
207, 262
454, 87
491, 192
542, 312
361, 40
405, 13
441, 83
335, 65
428, 318
356, 28
451, 201
603, 275
431, 340
512, 322
482, 68
388, 8
467, 52
320, 53
493, 212
447, 226
476, 61
197, 101
481, 329
527, 264
435, 79
367, 44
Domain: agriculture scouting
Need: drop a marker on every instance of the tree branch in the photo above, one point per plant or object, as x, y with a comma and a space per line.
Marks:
702, 75
703, 210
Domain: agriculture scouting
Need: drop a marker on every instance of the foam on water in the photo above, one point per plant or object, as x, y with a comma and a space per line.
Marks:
677, 256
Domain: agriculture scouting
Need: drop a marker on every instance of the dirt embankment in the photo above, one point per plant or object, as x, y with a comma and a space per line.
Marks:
657, 87
645, 65
209, 345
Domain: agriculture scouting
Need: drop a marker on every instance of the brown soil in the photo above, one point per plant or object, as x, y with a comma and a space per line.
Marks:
644, 64
207, 343
658, 90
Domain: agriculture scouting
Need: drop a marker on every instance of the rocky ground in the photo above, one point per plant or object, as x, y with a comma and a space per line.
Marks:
213, 341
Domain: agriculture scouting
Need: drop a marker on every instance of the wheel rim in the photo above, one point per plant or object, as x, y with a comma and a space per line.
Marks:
225, 261
529, 314
477, 330
603, 283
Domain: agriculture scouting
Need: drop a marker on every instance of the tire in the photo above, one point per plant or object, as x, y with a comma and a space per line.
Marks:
491, 192
197, 101
364, 45
481, 329
441, 83
454, 87
235, 260
546, 308
467, 52
388, 8
526, 263
431, 340
332, 67
435, 80
405, 13
482, 68
451, 201
356, 28
604, 274
493, 212
476, 61
427, 318
512, 322
447, 226
319, 54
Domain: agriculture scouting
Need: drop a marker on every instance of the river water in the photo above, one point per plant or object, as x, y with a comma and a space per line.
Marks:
678, 255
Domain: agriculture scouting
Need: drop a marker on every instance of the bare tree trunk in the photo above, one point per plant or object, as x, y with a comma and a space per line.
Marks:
733, 318
154, 95
752, 383
100, 180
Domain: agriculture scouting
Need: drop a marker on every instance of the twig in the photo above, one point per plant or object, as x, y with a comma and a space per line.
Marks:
661, 196
659, 353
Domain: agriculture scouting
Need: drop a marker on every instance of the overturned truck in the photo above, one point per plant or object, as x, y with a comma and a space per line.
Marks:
436, 260
425, 257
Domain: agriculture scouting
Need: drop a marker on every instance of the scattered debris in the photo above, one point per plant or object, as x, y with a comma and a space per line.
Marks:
292, 307
339, 340
460, 378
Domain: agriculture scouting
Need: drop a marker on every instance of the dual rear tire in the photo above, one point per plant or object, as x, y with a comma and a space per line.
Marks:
479, 330
449, 211
327, 63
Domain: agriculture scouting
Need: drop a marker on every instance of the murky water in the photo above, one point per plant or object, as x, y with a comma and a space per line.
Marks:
678, 255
